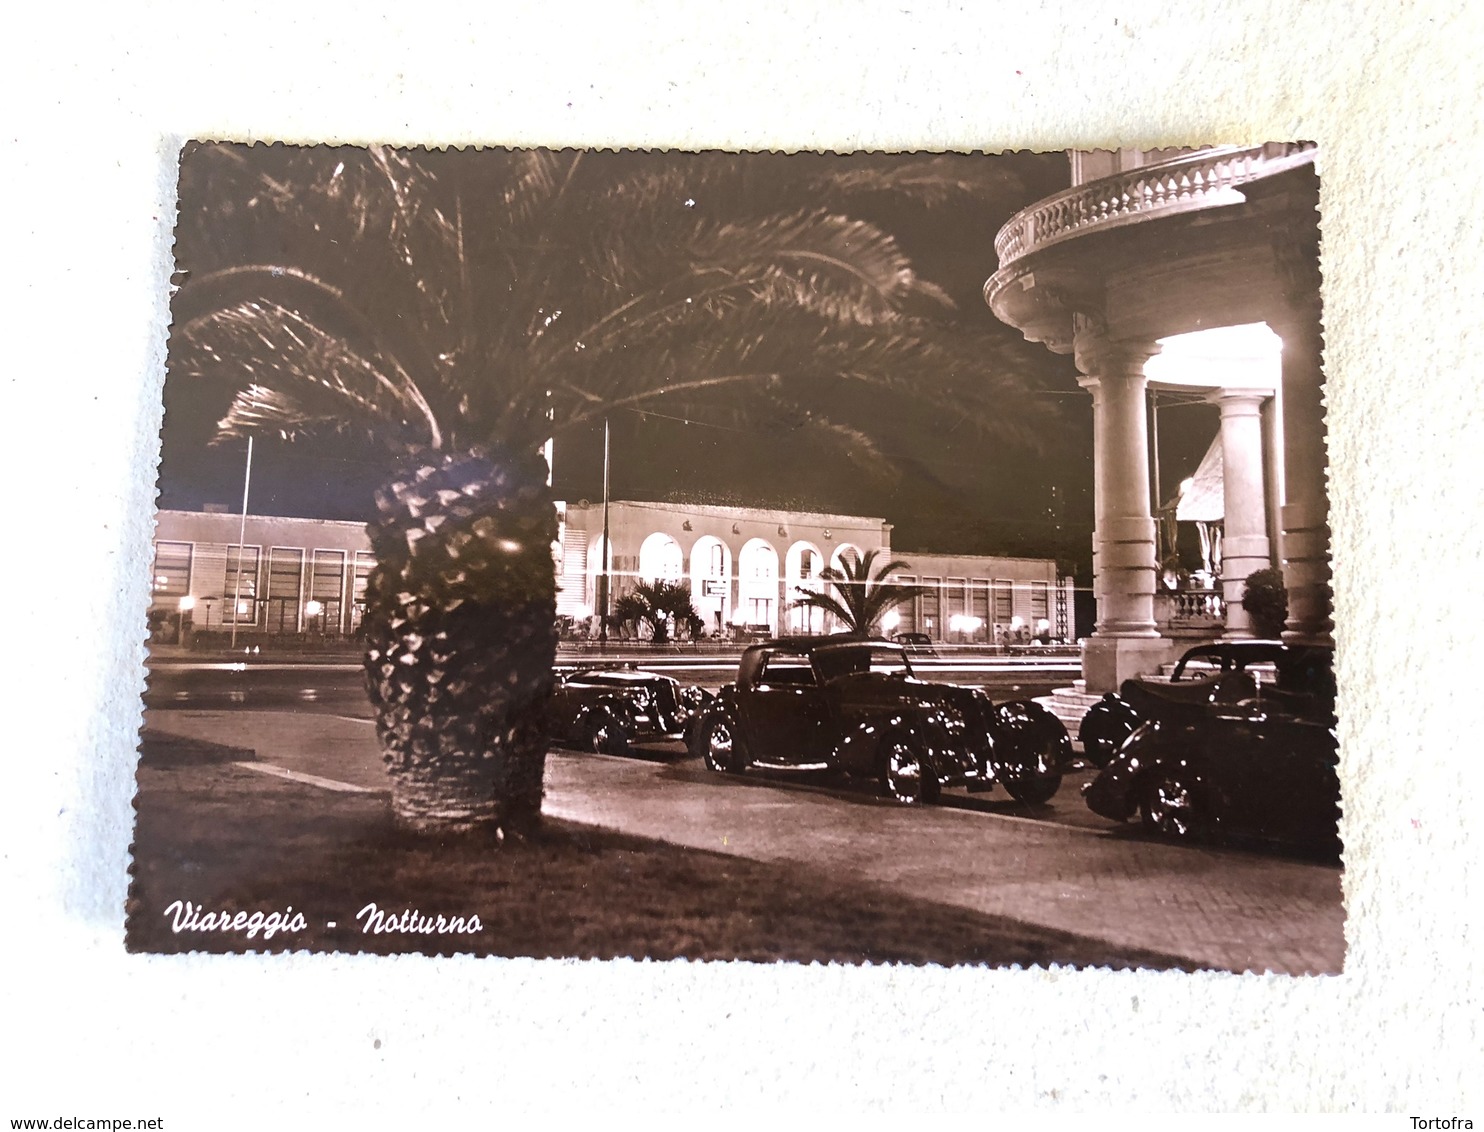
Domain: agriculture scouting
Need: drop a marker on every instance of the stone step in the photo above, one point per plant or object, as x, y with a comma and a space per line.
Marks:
1069, 706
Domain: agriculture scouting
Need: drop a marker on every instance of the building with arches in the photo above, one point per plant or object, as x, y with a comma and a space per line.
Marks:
272, 575
747, 565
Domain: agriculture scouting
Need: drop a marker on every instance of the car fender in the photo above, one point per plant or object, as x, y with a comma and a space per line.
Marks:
694, 703
859, 749
613, 706
1105, 726
1116, 791
1021, 727
723, 705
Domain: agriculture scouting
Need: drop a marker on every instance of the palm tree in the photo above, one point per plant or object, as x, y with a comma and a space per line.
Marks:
660, 604
860, 599
459, 309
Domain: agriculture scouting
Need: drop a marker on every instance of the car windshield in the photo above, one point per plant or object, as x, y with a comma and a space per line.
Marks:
885, 660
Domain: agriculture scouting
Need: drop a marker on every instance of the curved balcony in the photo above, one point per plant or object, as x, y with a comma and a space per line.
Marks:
1179, 245
1207, 179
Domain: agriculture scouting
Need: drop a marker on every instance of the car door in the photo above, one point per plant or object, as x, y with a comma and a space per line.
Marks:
1277, 775
1298, 761
784, 715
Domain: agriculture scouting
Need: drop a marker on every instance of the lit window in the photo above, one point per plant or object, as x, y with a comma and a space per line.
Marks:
172, 576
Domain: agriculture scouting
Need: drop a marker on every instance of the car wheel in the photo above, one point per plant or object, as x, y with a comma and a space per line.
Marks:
1169, 807
719, 748
606, 736
906, 775
1034, 776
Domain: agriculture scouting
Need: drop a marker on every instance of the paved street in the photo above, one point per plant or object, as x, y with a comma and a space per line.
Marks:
1063, 869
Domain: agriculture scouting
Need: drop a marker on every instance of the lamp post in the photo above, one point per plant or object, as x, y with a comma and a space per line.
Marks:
183, 620
607, 549
242, 537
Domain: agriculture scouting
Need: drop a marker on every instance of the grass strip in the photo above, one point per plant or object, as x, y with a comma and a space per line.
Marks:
228, 840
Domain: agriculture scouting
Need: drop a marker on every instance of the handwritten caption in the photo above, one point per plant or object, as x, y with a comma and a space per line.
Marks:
187, 916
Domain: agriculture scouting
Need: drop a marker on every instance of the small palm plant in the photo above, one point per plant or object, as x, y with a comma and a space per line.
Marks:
660, 605
861, 599
459, 309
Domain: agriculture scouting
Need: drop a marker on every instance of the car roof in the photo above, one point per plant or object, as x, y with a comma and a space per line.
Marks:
1250, 652
1237, 648
804, 645
629, 675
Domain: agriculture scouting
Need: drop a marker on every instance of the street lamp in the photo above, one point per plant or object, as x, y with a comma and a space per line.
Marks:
965, 624
183, 618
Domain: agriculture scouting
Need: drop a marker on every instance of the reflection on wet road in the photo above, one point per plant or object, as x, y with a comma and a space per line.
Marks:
336, 689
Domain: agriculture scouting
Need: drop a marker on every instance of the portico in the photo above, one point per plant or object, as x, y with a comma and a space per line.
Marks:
1177, 271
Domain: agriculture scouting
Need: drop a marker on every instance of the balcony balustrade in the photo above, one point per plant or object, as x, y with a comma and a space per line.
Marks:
1206, 179
1189, 613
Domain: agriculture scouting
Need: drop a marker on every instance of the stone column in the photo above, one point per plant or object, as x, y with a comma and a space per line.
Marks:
1126, 642
1244, 540
1306, 561
1306, 569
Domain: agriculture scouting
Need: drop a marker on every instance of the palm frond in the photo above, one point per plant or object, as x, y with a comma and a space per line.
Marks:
825, 603
853, 382
296, 378
509, 295
931, 180
860, 599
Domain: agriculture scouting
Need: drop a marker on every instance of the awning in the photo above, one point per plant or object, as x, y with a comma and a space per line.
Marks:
1202, 498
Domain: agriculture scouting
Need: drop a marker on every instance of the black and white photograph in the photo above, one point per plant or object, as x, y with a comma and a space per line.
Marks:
642, 562
811, 557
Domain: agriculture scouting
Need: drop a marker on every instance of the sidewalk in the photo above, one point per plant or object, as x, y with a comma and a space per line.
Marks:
1223, 909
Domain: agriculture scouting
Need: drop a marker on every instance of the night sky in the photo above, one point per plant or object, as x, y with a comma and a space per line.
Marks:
952, 494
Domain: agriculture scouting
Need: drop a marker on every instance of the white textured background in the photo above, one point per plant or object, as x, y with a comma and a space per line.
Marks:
96, 104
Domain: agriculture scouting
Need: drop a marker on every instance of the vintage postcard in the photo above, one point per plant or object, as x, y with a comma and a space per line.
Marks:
877, 557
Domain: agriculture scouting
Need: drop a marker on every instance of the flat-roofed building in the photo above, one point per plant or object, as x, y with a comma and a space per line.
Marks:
215, 572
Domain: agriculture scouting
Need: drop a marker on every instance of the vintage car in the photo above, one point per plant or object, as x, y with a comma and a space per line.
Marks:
606, 709
851, 704
918, 644
1262, 767
1223, 672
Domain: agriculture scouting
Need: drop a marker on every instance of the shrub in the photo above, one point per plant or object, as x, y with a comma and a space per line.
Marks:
1266, 601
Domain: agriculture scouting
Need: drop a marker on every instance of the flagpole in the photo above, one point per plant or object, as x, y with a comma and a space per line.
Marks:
242, 537
607, 550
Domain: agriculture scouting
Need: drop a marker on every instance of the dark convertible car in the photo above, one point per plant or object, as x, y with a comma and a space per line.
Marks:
606, 709
853, 705
1217, 673
1262, 767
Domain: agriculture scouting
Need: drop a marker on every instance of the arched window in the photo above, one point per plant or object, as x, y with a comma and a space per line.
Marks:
847, 552
660, 558
803, 570
757, 569
711, 582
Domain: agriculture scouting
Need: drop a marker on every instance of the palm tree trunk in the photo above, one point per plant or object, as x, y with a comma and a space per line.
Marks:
460, 637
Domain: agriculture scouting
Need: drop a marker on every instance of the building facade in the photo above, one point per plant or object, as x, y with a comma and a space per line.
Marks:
217, 571
1151, 256
745, 567
975, 599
